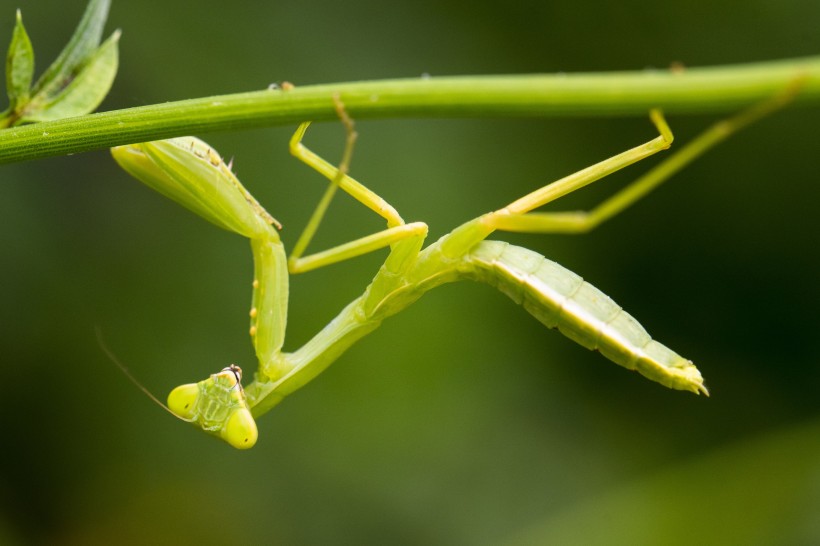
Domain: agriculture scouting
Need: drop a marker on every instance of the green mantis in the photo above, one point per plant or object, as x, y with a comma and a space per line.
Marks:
190, 172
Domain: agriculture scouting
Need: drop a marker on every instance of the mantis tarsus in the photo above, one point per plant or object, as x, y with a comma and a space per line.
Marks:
190, 172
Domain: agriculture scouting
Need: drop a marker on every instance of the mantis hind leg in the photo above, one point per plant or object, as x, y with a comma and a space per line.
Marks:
517, 216
517, 213
405, 239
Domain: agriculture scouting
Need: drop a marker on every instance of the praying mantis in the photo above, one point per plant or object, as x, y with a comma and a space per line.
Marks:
191, 173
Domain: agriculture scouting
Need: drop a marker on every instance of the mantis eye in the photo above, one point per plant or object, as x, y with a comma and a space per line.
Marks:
182, 400
240, 430
230, 376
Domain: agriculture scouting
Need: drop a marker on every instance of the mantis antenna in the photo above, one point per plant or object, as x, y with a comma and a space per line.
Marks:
239, 431
124, 369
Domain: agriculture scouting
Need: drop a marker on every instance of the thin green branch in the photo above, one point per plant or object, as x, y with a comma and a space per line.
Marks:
714, 89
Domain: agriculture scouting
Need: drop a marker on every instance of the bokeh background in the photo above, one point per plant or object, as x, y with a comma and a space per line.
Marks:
462, 420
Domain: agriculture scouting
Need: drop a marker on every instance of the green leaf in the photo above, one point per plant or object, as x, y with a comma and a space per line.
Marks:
85, 40
86, 89
19, 65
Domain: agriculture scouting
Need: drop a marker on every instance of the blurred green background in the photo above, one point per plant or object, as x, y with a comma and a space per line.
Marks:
461, 421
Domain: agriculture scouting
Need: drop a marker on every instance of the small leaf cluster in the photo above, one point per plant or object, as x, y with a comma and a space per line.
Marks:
75, 83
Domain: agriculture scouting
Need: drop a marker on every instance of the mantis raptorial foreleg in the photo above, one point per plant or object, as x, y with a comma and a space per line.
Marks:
191, 173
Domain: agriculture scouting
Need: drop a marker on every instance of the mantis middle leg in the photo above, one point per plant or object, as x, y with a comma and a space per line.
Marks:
404, 239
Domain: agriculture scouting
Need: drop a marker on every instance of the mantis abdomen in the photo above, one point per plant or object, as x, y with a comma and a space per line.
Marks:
561, 299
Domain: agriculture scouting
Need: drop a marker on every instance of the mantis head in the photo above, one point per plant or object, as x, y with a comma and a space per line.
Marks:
218, 405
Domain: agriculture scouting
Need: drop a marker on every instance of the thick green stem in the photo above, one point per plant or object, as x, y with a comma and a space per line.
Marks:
715, 89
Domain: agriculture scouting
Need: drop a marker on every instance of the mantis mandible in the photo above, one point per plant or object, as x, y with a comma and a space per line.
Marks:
190, 172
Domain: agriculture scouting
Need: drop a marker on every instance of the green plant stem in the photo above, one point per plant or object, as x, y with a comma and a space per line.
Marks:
696, 90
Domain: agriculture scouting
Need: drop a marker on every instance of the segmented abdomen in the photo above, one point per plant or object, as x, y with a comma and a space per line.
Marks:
561, 299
